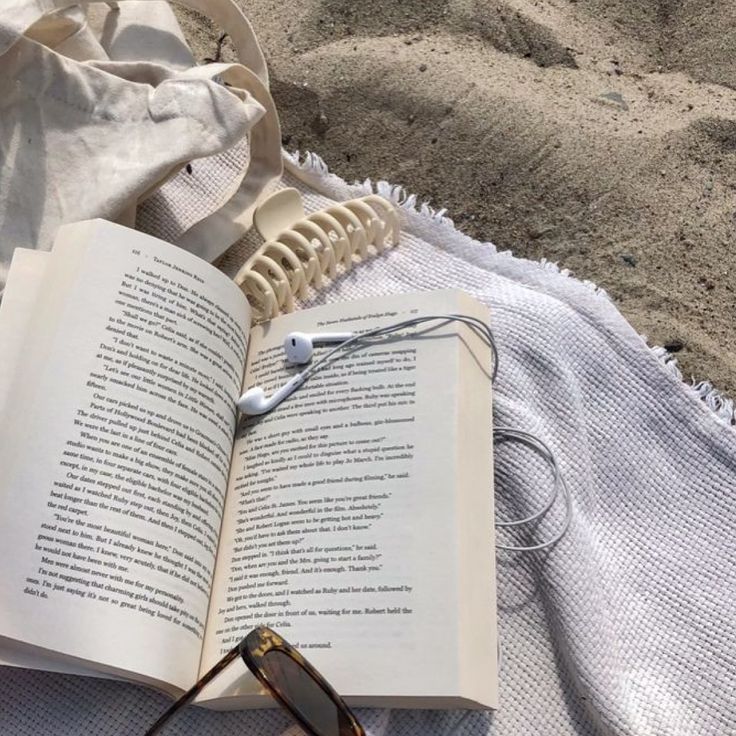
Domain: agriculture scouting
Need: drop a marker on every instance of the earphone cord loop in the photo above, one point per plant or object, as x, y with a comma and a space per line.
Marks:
563, 530
559, 484
525, 438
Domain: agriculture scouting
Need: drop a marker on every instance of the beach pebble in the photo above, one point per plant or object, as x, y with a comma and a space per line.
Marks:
674, 345
537, 231
615, 99
628, 259
320, 124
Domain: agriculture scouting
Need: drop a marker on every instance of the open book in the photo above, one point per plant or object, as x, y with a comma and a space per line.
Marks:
145, 528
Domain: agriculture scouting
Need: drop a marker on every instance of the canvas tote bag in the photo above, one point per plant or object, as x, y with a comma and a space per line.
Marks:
101, 104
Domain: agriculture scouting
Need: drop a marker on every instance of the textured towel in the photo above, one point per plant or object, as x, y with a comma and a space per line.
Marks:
626, 626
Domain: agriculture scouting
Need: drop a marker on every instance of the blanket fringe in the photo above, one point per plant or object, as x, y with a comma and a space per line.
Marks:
400, 197
308, 163
312, 166
722, 406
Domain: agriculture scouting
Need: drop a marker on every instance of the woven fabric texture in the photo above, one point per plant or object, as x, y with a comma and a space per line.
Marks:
193, 193
626, 626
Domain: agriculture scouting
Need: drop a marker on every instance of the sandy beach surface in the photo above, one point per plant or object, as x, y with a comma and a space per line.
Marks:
599, 134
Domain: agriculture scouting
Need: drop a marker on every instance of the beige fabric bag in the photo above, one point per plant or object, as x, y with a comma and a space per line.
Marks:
101, 104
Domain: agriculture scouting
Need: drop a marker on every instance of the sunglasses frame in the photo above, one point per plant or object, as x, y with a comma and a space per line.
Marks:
252, 649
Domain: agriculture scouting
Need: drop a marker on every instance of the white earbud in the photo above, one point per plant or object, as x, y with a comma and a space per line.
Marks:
254, 402
299, 346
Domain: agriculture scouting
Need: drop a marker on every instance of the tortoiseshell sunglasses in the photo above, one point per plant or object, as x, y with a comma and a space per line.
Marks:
292, 681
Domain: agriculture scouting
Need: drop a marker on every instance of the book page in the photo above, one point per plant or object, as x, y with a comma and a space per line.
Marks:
114, 476
358, 522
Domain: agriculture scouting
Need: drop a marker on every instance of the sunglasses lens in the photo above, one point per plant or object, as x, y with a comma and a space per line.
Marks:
305, 696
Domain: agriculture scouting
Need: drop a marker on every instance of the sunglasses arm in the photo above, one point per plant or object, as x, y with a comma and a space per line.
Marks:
192, 693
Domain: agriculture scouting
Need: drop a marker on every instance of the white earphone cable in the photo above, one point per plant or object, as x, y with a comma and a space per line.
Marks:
501, 433
476, 324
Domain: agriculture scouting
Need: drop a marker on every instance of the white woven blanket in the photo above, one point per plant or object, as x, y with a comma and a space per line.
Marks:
629, 625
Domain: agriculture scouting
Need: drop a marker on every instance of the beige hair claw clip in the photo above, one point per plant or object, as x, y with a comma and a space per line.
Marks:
301, 250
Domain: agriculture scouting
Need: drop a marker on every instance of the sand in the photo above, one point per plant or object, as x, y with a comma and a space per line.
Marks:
599, 134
